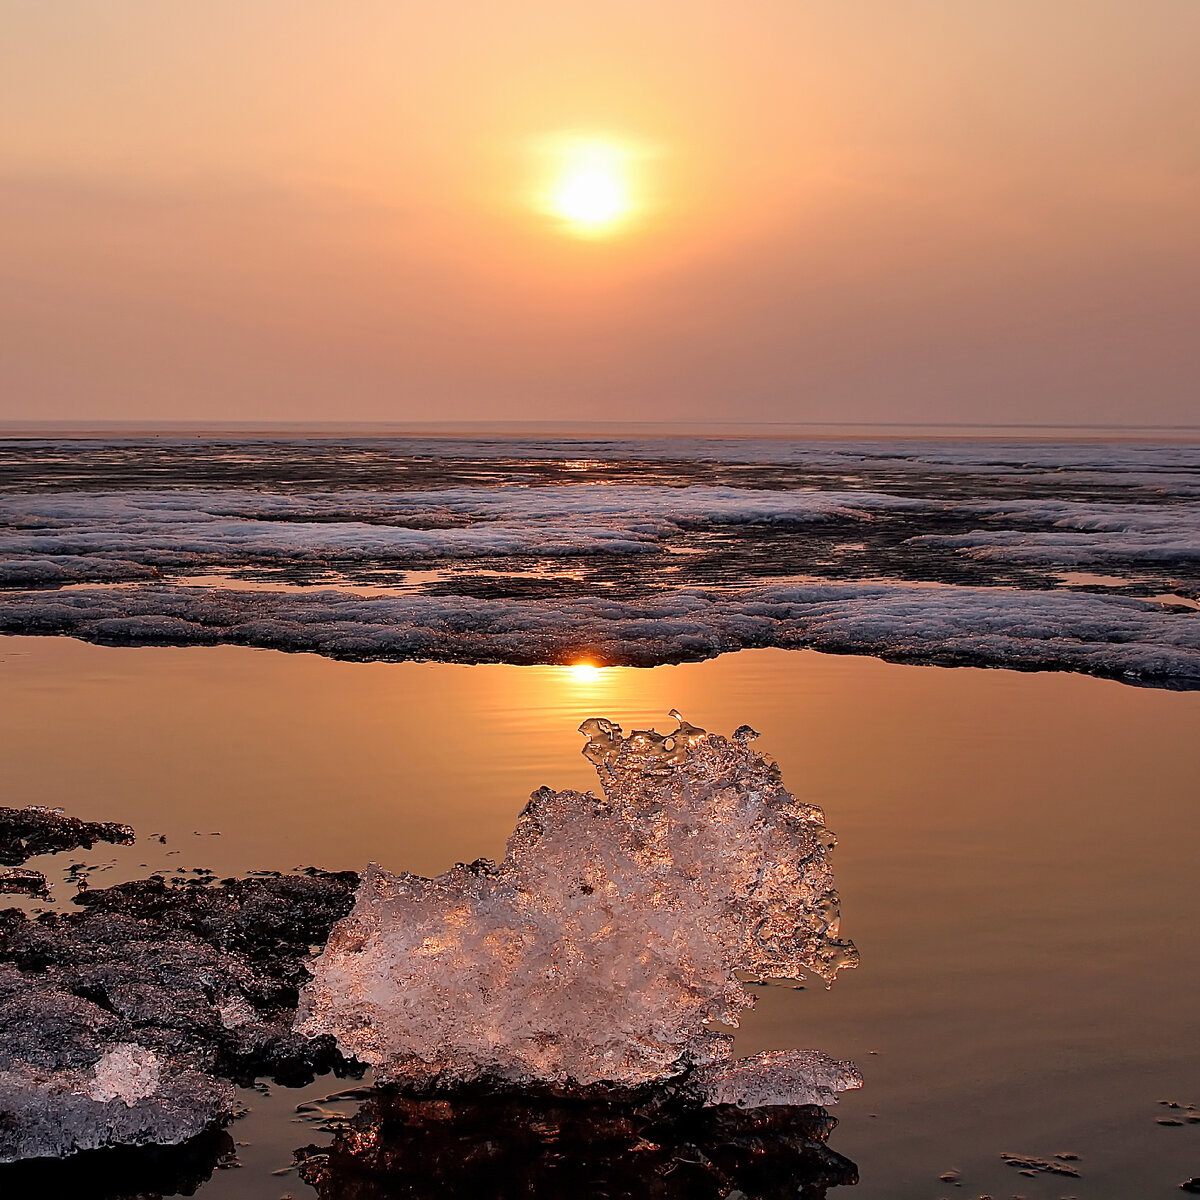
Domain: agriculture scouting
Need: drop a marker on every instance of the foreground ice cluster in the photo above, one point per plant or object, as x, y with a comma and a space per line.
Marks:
598, 963
608, 942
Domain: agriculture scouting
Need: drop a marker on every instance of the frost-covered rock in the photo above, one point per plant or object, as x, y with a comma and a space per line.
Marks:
606, 944
68, 1082
126, 1023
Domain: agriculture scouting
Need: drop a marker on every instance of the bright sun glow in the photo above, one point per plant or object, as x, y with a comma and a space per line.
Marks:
583, 672
590, 189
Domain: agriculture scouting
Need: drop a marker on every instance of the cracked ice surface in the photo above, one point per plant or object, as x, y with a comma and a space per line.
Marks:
1116, 636
607, 942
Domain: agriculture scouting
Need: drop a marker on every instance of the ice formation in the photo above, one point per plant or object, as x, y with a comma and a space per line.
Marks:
605, 948
1068, 556
127, 1072
1114, 636
56, 538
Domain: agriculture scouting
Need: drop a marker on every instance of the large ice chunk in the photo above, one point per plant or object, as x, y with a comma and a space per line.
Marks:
608, 941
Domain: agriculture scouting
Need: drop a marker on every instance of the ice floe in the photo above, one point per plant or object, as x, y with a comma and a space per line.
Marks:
1115, 636
633, 551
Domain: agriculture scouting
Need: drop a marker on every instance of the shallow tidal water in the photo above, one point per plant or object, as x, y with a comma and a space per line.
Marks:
1017, 863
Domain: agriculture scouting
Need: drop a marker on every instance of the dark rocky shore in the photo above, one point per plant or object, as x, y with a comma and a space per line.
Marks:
26, 832
129, 1021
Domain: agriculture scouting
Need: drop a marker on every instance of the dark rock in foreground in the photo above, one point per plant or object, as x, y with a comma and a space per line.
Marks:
19, 880
124, 1024
517, 1144
25, 832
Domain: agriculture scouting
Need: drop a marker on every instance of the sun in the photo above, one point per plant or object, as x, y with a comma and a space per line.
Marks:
591, 185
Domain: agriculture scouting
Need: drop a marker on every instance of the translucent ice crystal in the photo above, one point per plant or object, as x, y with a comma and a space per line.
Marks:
778, 1077
608, 941
127, 1072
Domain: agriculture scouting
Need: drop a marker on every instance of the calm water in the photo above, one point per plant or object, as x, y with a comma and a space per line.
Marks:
1016, 862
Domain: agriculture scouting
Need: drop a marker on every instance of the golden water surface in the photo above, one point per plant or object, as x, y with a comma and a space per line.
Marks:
1017, 859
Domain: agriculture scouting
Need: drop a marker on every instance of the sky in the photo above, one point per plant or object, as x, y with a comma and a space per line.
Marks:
980, 211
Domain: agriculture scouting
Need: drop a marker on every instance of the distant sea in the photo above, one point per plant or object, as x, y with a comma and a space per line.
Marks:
590, 430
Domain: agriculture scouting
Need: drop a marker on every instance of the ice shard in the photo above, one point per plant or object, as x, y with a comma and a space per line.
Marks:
606, 948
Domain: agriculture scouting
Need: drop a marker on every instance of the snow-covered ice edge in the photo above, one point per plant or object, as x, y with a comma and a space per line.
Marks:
1117, 637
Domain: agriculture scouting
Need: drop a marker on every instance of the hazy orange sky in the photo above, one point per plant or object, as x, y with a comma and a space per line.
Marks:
861, 210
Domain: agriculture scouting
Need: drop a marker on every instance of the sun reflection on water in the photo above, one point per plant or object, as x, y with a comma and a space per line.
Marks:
584, 672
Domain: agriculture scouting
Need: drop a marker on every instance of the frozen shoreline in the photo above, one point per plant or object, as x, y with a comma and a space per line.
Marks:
126, 1021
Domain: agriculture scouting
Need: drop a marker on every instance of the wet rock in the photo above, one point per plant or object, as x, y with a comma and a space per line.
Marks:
650, 1143
124, 1023
1183, 1114
25, 832
1039, 1166
17, 880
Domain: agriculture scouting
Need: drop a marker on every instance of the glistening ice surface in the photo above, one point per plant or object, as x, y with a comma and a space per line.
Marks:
606, 943
1069, 556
